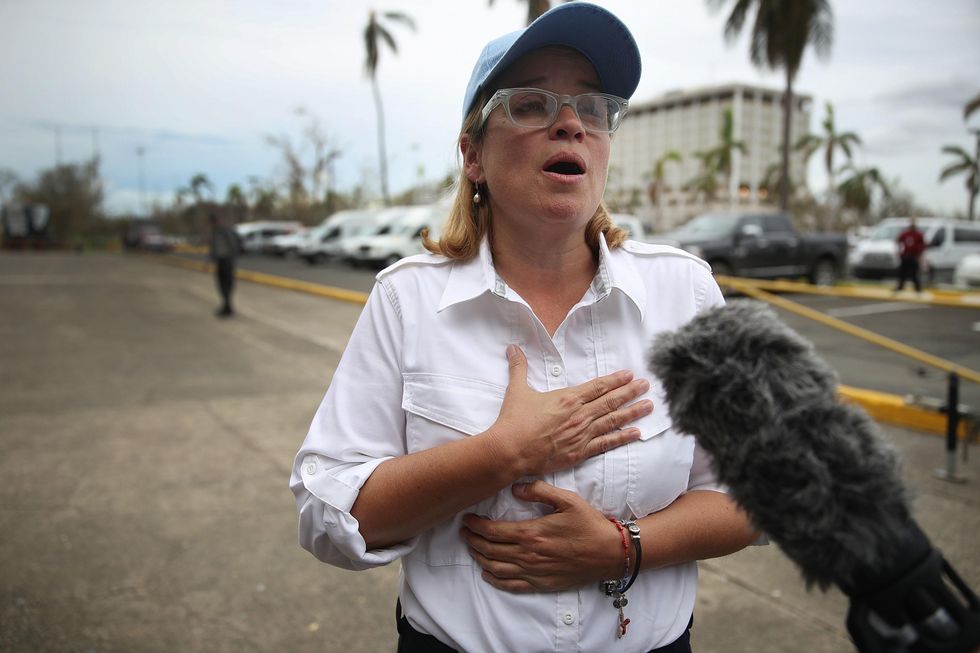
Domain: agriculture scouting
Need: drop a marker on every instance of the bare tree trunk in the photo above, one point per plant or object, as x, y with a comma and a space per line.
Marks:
787, 119
382, 154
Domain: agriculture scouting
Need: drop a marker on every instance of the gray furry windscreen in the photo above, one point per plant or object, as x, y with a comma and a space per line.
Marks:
811, 472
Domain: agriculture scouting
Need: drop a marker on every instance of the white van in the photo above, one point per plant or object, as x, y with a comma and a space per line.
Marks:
947, 242
325, 240
255, 237
402, 238
382, 224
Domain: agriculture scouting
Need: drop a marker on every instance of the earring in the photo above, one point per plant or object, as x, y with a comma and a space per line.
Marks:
476, 196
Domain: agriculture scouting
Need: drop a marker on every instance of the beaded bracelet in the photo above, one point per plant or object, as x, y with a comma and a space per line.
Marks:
626, 554
617, 588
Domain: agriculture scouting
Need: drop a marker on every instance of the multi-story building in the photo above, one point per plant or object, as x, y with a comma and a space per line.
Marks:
690, 122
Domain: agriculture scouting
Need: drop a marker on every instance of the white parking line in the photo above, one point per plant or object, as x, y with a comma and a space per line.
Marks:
873, 309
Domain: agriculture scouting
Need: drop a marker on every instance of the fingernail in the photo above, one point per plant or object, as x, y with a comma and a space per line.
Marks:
644, 385
511, 350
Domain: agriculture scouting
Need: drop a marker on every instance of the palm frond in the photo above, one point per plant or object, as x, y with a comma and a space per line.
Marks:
954, 169
809, 143
401, 17
956, 150
971, 106
388, 38
371, 47
733, 26
821, 32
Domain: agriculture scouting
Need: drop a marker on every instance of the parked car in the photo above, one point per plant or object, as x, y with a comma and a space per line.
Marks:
400, 238
380, 226
947, 242
256, 237
324, 242
761, 246
967, 272
287, 244
630, 223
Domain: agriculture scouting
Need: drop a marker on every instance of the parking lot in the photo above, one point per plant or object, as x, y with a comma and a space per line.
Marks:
143, 486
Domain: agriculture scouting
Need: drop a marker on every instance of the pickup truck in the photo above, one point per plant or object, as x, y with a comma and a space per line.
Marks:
761, 246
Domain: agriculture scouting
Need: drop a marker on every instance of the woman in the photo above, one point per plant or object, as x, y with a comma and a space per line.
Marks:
485, 425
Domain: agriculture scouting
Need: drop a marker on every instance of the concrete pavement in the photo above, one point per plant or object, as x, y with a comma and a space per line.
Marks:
146, 451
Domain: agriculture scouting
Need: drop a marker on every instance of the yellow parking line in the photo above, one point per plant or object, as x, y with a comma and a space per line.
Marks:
938, 297
751, 289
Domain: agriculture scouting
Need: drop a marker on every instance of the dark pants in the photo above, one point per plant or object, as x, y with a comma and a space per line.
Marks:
225, 270
412, 641
908, 269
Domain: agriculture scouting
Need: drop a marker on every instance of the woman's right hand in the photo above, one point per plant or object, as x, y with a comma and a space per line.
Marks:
542, 432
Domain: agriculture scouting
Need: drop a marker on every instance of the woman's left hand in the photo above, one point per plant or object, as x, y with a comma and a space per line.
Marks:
573, 546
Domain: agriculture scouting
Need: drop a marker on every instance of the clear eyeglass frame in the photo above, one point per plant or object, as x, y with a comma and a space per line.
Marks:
615, 109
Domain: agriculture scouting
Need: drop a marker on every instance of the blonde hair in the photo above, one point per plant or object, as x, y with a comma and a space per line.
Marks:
468, 223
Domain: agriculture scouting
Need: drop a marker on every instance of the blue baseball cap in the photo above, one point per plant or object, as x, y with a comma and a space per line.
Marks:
598, 35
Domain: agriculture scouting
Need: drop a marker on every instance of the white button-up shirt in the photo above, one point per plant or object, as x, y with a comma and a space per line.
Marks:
426, 365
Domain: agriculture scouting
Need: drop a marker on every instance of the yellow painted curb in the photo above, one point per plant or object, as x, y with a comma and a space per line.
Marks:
303, 286
893, 409
308, 287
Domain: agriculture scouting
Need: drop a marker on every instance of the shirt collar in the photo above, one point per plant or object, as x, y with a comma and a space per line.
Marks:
470, 279
616, 271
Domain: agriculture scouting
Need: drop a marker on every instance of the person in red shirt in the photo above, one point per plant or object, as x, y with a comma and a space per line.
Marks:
911, 244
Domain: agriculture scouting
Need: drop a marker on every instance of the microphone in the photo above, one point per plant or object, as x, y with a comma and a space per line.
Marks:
814, 474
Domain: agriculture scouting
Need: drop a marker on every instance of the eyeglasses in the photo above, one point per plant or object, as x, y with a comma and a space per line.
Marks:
535, 108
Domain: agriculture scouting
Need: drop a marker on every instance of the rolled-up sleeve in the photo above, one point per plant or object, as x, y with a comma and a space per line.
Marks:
358, 425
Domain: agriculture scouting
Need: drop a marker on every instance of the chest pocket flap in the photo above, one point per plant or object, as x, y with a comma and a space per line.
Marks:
467, 405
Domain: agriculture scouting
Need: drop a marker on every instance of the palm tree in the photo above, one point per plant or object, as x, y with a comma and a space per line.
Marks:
235, 199
656, 176
374, 33
780, 33
200, 183
857, 190
706, 181
830, 141
722, 154
966, 165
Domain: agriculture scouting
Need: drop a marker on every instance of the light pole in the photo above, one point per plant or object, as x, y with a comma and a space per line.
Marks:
976, 174
140, 151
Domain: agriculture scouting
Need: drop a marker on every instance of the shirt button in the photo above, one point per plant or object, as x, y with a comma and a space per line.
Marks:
556, 370
568, 618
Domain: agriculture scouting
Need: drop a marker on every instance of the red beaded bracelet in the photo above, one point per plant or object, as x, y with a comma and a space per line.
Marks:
626, 552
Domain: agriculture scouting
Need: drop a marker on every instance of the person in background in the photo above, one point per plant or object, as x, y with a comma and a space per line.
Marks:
911, 245
223, 252
488, 424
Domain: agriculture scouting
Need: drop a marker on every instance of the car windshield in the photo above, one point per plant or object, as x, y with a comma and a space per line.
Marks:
708, 225
887, 231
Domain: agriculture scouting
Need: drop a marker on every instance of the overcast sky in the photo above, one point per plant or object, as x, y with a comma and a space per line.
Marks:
199, 83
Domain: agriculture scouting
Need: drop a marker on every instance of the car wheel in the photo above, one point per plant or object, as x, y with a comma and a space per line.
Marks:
824, 273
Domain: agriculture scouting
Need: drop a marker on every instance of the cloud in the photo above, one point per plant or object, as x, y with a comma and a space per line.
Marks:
945, 94
149, 134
